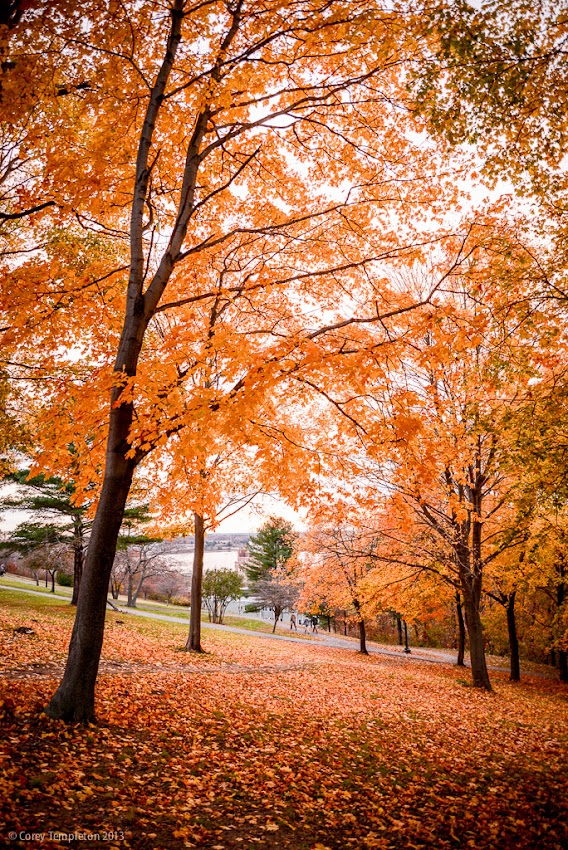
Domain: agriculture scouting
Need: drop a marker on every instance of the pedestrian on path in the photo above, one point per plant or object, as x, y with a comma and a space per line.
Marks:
293, 622
315, 624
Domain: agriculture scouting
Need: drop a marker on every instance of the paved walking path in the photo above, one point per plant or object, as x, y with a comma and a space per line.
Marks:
427, 656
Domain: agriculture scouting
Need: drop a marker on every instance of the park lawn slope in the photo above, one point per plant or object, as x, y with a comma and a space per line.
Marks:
269, 744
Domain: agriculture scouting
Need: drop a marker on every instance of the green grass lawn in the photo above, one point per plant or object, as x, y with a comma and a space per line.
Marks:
177, 611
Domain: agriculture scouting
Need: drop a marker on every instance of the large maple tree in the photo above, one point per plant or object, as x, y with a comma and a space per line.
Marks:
194, 179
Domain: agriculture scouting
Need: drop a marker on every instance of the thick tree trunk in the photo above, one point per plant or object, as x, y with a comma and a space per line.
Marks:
476, 649
470, 563
74, 700
513, 639
461, 632
362, 638
194, 639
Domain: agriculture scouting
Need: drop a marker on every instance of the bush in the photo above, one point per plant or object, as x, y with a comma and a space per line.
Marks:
252, 608
180, 600
65, 579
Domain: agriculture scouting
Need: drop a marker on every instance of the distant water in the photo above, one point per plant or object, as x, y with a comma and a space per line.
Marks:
225, 559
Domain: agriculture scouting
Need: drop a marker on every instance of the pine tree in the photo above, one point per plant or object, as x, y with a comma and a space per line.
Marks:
270, 549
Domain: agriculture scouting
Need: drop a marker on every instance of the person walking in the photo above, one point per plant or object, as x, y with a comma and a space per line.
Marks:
315, 624
293, 622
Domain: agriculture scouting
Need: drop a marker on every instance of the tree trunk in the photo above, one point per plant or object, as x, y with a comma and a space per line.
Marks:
476, 649
399, 629
74, 700
469, 564
52, 574
194, 639
77, 572
130, 592
362, 638
136, 593
406, 647
277, 612
77, 557
513, 639
562, 655
563, 665
461, 632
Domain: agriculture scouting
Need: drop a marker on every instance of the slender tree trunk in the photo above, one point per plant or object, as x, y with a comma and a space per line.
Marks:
563, 665
130, 591
562, 654
78, 550
77, 572
362, 638
461, 632
74, 700
277, 612
513, 639
194, 639
406, 647
52, 574
399, 629
136, 594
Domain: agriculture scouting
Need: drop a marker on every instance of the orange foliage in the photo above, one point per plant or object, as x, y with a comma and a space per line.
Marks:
276, 744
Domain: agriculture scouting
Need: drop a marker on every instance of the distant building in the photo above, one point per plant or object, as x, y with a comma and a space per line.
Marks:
242, 561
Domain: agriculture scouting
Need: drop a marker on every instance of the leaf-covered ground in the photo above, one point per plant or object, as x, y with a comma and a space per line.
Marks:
268, 744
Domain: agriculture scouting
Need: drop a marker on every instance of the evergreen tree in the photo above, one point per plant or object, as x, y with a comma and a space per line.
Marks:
269, 550
48, 499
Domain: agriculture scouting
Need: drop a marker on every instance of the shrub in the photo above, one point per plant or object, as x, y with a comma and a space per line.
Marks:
65, 579
180, 600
